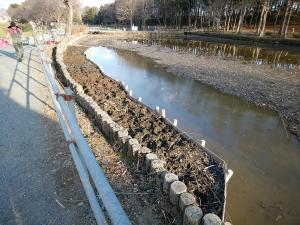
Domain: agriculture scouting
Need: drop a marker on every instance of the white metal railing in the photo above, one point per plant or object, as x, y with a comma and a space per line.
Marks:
85, 161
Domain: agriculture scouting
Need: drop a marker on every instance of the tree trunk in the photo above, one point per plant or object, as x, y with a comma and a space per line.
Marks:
144, 15
70, 17
195, 22
250, 23
260, 22
275, 23
234, 23
262, 32
165, 15
263, 19
179, 20
189, 14
228, 23
201, 21
241, 19
209, 23
225, 23
286, 12
131, 13
288, 22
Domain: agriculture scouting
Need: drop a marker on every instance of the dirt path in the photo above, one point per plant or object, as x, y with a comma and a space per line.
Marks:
182, 156
276, 89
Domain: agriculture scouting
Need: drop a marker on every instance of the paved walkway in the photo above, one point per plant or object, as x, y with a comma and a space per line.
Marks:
38, 182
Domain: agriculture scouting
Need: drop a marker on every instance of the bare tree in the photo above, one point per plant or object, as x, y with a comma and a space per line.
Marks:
288, 7
145, 7
216, 8
125, 10
263, 18
40, 11
69, 24
242, 13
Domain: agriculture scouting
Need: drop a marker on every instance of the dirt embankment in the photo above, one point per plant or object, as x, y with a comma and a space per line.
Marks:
182, 156
143, 202
272, 88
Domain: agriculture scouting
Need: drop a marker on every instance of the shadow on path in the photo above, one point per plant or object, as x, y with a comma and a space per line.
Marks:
38, 181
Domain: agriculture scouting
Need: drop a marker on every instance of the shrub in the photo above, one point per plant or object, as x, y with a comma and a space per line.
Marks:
25, 27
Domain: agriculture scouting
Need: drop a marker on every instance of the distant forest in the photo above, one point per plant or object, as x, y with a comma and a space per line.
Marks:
217, 15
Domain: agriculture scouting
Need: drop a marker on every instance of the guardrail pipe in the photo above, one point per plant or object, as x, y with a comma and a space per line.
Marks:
82, 171
112, 205
108, 197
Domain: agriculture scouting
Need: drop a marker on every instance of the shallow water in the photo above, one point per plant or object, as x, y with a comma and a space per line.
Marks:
274, 57
265, 159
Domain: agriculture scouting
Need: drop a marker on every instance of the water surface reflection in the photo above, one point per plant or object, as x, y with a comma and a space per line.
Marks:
265, 187
245, 53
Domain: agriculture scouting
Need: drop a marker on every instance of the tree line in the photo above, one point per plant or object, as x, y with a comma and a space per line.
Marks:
217, 15
45, 11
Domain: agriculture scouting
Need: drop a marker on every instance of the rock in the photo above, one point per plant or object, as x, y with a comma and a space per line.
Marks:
115, 131
133, 150
149, 158
160, 177
192, 215
156, 165
143, 151
80, 204
176, 189
211, 219
131, 142
169, 178
186, 199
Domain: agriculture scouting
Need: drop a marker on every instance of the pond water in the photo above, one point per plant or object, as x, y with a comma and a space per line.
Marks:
274, 57
265, 159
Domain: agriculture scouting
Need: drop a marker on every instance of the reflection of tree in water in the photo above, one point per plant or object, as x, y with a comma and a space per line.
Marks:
255, 55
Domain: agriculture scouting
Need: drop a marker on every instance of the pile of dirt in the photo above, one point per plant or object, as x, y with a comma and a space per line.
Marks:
183, 157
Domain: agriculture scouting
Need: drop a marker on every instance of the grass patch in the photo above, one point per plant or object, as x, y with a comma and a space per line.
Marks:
3, 30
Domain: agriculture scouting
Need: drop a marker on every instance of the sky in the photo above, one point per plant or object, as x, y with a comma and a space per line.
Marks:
94, 2
5, 3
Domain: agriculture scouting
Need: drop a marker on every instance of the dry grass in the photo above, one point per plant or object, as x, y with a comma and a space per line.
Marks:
79, 29
3, 30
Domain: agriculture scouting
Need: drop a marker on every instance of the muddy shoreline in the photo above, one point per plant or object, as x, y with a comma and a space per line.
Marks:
275, 89
181, 155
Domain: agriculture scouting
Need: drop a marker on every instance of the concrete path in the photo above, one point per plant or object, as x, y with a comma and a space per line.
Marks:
38, 182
